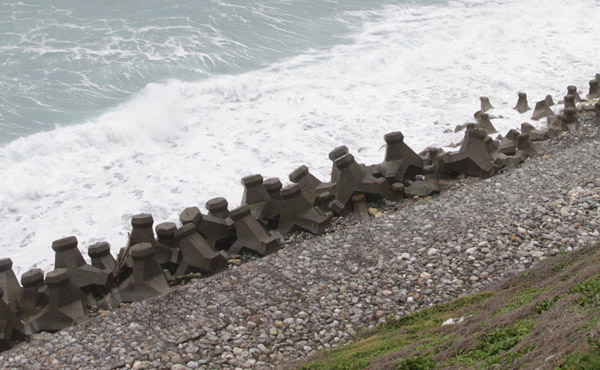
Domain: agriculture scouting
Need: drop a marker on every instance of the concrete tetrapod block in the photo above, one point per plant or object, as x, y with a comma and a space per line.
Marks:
255, 194
191, 215
570, 102
142, 229
483, 122
352, 178
147, 280
310, 186
100, 255
12, 329
397, 191
597, 109
541, 110
571, 121
400, 162
90, 279
491, 145
168, 246
66, 305
33, 299
572, 90
361, 208
196, 254
508, 144
251, 235
549, 100
522, 105
526, 146
502, 160
594, 90
217, 226
298, 214
473, 158
425, 185
335, 154
431, 156
557, 125
272, 210
9, 284
534, 134
326, 203
485, 104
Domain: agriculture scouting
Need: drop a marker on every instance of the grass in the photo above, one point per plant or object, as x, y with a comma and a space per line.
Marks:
522, 298
495, 343
583, 361
358, 355
416, 363
414, 329
590, 291
517, 325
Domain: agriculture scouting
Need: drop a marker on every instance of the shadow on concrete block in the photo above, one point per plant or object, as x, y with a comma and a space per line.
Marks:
299, 214
534, 134
400, 162
168, 247
90, 279
9, 284
147, 280
196, 254
473, 158
34, 298
310, 186
251, 234
255, 194
66, 305
12, 328
352, 178
217, 226
100, 255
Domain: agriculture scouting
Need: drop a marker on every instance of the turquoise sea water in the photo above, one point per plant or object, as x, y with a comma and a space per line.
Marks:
64, 62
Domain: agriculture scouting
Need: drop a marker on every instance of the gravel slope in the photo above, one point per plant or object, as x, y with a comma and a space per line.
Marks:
319, 292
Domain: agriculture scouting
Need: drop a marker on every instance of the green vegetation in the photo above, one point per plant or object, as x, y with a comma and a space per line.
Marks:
522, 298
416, 363
546, 304
590, 290
491, 350
513, 326
358, 355
583, 361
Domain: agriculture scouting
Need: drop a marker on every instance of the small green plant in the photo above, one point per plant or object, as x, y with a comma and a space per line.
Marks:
583, 361
416, 363
390, 323
590, 291
546, 304
525, 297
495, 343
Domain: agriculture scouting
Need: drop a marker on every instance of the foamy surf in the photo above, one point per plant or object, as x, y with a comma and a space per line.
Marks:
418, 69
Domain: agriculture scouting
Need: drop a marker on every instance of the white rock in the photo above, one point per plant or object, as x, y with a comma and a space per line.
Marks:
448, 322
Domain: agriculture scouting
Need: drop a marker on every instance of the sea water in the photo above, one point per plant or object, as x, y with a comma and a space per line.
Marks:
113, 108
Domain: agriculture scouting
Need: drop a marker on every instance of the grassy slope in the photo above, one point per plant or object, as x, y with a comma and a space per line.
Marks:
546, 318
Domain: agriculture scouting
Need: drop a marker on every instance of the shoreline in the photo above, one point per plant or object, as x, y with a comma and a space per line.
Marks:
294, 280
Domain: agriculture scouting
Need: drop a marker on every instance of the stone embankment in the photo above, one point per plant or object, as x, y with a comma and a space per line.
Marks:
321, 291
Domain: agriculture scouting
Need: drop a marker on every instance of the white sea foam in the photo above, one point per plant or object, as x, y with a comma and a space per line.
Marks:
416, 69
